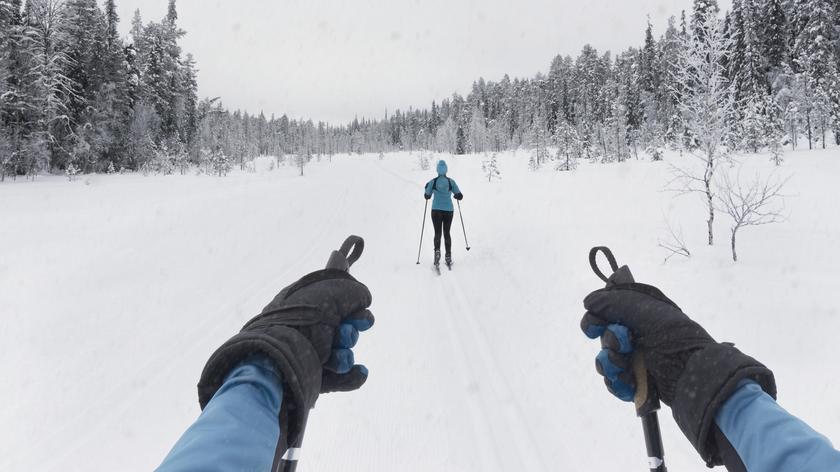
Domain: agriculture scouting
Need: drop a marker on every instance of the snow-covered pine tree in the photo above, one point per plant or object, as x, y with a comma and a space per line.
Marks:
814, 57
137, 29
538, 141
777, 152
188, 119
569, 147
490, 167
221, 164
460, 123
589, 79
701, 10
171, 13
734, 32
649, 75
90, 111
302, 159
478, 132
626, 113
114, 97
651, 99
627, 69
773, 33
71, 171
180, 158
749, 74
7, 27
532, 162
753, 124
162, 82
671, 89
614, 129
140, 143
788, 92
45, 45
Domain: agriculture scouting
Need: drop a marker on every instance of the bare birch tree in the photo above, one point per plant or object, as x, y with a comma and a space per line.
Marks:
705, 103
757, 203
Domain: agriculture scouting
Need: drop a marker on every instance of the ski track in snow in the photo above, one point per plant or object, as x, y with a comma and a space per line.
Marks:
118, 291
512, 437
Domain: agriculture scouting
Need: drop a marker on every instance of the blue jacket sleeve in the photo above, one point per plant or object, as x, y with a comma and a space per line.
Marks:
768, 438
429, 187
455, 188
239, 427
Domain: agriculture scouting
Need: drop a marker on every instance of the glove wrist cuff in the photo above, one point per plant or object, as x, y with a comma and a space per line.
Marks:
710, 377
296, 360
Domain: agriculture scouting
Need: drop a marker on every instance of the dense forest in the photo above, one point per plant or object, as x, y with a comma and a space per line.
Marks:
76, 97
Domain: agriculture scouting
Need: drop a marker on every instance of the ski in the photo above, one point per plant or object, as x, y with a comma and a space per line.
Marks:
436, 268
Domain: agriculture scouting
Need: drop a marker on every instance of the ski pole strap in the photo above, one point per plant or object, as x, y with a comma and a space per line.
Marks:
349, 253
593, 262
357, 244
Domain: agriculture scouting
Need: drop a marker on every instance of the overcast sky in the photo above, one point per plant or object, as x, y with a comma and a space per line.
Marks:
333, 59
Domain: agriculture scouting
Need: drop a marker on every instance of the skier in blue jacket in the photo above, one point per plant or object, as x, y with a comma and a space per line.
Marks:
442, 189
722, 399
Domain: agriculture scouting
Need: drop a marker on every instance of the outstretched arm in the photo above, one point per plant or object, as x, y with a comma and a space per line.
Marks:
238, 430
769, 439
266, 378
722, 399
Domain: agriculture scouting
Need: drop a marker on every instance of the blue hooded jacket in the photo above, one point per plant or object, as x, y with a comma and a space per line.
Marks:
442, 188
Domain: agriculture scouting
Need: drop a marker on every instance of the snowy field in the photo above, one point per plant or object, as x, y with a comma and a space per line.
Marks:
114, 290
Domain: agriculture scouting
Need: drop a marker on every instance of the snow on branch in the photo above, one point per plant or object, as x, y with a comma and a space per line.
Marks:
705, 103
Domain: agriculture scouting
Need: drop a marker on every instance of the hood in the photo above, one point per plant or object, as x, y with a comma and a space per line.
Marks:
442, 169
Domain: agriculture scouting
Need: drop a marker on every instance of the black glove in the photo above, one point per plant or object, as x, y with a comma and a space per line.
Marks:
307, 331
459, 196
693, 373
428, 197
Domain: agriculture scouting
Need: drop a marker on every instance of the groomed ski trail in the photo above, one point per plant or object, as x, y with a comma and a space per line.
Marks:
505, 439
496, 412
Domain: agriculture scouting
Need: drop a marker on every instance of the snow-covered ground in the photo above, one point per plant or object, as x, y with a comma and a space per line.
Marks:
114, 290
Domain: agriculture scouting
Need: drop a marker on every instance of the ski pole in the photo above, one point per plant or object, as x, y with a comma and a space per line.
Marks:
462, 225
342, 259
422, 232
646, 399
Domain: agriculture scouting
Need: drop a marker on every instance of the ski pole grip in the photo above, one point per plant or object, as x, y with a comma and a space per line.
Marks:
346, 256
646, 399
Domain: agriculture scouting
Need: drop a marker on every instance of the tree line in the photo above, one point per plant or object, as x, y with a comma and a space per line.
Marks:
781, 69
781, 76
75, 96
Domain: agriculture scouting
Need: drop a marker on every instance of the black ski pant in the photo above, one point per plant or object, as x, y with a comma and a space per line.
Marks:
442, 221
